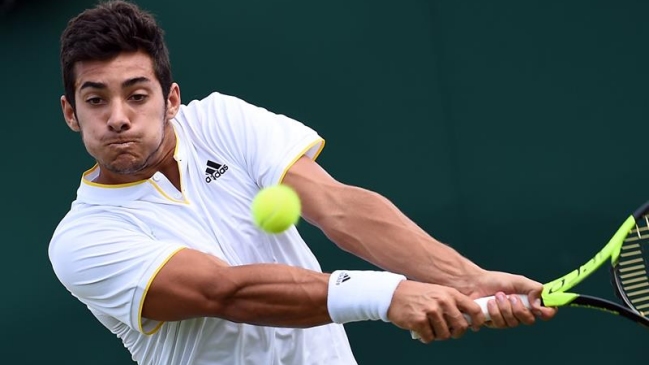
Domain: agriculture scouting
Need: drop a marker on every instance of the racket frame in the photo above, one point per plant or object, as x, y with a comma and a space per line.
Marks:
554, 292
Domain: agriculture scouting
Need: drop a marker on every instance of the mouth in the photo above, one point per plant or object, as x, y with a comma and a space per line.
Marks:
121, 143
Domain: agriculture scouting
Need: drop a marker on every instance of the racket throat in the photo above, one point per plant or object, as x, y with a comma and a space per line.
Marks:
559, 299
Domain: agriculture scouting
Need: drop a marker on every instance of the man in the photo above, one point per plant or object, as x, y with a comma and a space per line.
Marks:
172, 263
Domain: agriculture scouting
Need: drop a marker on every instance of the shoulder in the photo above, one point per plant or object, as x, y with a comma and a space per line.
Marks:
93, 243
216, 110
217, 102
220, 119
84, 231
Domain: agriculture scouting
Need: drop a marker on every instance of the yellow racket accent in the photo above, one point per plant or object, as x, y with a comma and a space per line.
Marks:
554, 294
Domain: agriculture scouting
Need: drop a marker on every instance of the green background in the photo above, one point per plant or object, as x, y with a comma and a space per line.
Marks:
513, 130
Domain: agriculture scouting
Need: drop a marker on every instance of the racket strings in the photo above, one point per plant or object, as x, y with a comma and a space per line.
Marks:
631, 270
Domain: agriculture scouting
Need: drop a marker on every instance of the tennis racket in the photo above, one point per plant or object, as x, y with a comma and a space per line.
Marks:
628, 251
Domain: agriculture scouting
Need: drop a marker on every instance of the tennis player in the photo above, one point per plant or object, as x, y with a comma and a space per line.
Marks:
160, 246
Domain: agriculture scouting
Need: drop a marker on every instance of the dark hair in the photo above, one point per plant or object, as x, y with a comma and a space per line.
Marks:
107, 30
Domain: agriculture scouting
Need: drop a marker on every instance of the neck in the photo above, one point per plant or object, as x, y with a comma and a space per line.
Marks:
169, 167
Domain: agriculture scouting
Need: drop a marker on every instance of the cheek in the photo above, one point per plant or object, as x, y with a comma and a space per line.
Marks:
90, 137
89, 142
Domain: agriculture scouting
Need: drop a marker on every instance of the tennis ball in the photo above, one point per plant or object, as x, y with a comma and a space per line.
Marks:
275, 208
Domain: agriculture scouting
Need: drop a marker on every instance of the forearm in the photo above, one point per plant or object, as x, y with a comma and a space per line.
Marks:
268, 294
194, 284
371, 227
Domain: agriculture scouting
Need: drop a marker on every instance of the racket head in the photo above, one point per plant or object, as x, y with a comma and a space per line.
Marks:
630, 270
628, 253
611, 307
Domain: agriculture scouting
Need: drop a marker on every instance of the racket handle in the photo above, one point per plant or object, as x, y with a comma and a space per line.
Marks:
482, 302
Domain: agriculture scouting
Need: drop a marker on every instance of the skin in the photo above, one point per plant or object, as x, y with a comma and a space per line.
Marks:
124, 124
123, 118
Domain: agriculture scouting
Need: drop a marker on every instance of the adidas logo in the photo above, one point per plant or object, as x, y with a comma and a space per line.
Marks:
342, 277
214, 171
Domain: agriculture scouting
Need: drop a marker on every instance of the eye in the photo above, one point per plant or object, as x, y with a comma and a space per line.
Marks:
139, 97
94, 101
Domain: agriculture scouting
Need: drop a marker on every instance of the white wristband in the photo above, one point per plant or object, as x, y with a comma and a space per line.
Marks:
361, 295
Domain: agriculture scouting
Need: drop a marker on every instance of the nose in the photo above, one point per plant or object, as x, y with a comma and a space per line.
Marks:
118, 119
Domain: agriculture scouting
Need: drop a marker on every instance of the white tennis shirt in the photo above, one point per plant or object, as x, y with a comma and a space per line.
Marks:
115, 238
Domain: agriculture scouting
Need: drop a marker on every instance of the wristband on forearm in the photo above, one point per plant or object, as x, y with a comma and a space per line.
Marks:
361, 295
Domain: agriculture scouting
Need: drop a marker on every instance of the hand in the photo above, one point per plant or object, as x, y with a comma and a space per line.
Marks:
434, 312
507, 311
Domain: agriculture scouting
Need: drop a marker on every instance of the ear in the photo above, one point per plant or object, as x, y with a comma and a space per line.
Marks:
173, 101
68, 114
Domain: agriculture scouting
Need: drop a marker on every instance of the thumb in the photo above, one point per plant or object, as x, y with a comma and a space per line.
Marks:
536, 306
534, 290
522, 284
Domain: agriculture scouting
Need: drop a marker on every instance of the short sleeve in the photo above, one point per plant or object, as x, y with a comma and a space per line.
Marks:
108, 264
264, 143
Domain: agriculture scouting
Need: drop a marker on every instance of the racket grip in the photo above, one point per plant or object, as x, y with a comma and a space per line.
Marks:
482, 302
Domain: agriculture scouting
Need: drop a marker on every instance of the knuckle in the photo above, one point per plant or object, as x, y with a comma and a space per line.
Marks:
433, 310
422, 322
475, 311
464, 325
459, 323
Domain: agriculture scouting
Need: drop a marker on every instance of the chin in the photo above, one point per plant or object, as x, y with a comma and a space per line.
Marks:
130, 168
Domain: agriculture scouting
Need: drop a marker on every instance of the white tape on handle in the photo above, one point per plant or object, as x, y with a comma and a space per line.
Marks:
482, 302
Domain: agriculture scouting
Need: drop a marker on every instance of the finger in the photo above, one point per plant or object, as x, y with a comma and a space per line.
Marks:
497, 320
505, 308
439, 325
521, 313
522, 284
422, 330
424, 334
472, 310
457, 324
545, 313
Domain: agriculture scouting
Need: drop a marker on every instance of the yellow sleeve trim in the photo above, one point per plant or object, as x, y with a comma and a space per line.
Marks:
315, 156
146, 290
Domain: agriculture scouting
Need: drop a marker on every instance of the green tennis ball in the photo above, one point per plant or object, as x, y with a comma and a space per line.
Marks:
276, 208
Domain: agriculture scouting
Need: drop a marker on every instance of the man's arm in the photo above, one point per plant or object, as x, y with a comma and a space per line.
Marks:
194, 284
369, 226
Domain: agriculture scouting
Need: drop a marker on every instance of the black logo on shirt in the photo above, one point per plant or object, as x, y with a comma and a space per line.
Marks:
214, 171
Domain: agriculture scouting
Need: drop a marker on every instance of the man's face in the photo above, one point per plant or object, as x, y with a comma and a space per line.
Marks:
120, 111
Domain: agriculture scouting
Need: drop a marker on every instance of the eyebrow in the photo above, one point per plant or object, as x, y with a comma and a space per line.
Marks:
125, 84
